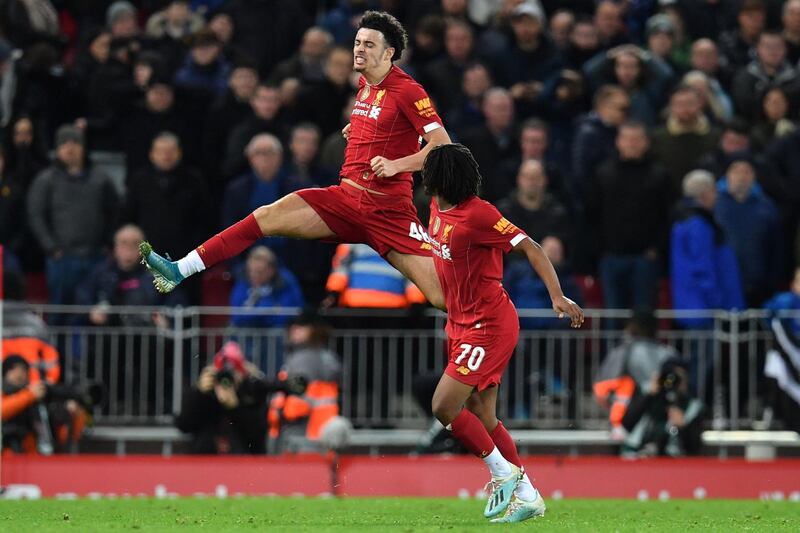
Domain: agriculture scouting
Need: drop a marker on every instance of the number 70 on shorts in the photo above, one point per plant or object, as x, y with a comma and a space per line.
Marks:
475, 353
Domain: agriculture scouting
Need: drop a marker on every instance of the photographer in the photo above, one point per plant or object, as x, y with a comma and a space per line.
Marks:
38, 417
227, 411
298, 417
665, 419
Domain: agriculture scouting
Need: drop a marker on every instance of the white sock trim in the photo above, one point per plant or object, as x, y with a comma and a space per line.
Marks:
525, 490
497, 464
191, 264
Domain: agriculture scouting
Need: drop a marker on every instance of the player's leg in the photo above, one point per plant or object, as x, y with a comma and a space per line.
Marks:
420, 270
528, 503
291, 216
448, 407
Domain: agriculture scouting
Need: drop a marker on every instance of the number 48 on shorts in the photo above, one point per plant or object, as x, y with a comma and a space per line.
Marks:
475, 353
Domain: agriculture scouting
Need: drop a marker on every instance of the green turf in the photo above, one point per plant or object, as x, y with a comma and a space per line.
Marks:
387, 514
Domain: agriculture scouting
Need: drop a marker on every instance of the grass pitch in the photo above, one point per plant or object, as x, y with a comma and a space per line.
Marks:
387, 514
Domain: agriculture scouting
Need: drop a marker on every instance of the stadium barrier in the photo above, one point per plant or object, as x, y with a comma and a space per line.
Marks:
146, 363
424, 476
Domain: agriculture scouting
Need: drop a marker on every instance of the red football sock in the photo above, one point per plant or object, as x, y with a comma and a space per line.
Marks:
502, 439
469, 430
230, 241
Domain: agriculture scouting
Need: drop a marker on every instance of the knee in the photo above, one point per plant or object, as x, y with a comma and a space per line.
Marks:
263, 213
444, 412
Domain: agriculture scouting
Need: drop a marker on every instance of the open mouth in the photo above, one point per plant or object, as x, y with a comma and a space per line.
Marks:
360, 61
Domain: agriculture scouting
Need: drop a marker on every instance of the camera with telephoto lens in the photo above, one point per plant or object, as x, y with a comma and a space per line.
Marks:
671, 379
225, 375
87, 396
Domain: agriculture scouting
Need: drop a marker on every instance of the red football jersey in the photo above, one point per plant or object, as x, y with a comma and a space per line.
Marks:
468, 242
387, 120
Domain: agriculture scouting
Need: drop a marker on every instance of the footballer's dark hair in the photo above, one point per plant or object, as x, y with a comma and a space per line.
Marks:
451, 172
393, 32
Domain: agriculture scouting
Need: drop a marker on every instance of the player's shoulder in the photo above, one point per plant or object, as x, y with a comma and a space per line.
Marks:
479, 210
398, 78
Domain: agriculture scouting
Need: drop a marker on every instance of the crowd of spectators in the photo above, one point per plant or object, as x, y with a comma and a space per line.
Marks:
586, 116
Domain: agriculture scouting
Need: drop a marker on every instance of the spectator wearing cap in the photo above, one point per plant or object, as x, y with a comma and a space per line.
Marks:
791, 30
122, 20
685, 137
158, 111
774, 121
768, 70
529, 58
205, 70
643, 76
72, 209
735, 44
662, 41
752, 224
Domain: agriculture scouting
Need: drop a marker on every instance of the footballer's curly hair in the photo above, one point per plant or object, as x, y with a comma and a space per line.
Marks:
393, 32
451, 172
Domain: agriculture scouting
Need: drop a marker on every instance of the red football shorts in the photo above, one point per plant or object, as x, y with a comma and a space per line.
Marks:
479, 359
356, 216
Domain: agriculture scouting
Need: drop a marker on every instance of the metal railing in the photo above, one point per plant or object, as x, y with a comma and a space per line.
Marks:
147, 357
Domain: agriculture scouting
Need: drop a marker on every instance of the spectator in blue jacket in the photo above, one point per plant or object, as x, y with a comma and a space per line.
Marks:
705, 273
261, 186
205, 68
752, 224
266, 285
528, 291
788, 301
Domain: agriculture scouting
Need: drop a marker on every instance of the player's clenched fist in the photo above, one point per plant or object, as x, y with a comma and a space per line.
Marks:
382, 167
346, 132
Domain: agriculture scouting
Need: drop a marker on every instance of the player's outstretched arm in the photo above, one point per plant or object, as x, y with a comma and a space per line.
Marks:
385, 168
542, 265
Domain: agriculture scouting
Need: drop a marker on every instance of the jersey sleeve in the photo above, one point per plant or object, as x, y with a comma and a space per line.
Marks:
417, 107
492, 229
